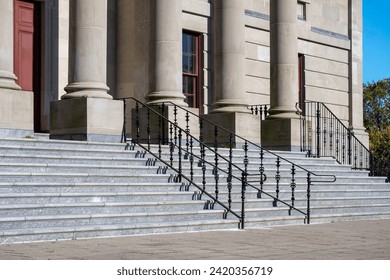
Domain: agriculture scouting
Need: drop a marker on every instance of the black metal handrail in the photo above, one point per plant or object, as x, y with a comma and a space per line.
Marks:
176, 134
323, 134
262, 174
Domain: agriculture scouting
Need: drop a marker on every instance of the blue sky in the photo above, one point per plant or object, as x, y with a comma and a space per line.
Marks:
376, 40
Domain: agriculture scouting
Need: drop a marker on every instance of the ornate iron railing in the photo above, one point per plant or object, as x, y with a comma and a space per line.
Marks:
325, 135
216, 163
259, 110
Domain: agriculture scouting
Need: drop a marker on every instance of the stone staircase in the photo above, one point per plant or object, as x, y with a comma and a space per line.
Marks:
53, 190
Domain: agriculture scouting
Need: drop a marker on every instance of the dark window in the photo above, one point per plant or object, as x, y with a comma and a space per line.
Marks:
301, 10
191, 69
301, 80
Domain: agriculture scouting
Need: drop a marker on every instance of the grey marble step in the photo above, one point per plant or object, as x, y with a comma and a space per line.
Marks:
314, 219
71, 177
356, 216
93, 231
44, 187
341, 210
82, 178
138, 170
89, 188
57, 144
265, 222
39, 198
26, 222
73, 189
66, 151
107, 160
100, 208
365, 198
74, 160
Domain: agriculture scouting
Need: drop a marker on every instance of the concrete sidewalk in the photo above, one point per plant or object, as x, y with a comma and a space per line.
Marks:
344, 240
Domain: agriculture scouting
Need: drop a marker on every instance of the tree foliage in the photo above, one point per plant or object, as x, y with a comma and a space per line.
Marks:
376, 101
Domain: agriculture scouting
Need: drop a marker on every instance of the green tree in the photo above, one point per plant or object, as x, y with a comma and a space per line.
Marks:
376, 102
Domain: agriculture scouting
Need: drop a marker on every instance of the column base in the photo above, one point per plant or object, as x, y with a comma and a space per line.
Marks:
155, 98
229, 106
244, 125
16, 113
86, 119
281, 134
87, 90
8, 80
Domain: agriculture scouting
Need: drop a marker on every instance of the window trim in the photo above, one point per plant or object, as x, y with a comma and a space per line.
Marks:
198, 85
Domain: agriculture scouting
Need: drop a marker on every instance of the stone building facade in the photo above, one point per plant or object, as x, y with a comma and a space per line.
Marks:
65, 64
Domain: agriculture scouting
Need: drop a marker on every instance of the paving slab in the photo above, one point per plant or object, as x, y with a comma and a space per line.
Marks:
357, 240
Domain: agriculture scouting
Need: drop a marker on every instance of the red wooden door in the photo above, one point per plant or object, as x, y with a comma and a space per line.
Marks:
27, 50
24, 43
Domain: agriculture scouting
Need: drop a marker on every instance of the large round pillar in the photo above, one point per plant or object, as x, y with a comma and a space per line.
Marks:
356, 73
88, 50
229, 109
284, 59
281, 129
87, 111
7, 76
230, 57
165, 79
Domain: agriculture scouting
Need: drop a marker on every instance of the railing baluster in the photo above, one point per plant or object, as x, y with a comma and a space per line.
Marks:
202, 152
160, 140
243, 189
262, 175
293, 185
355, 154
343, 146
349, 139
277, 179
148, 126
318, 130
171, 133
124, 140
175, 123
312, 128
163, 125
246, 161
308, 197
137, 122
171, 146
187, 133
229, 178
179, 155
191, 160
331, 136
215, 171
337, 142
324, 131
202, 155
